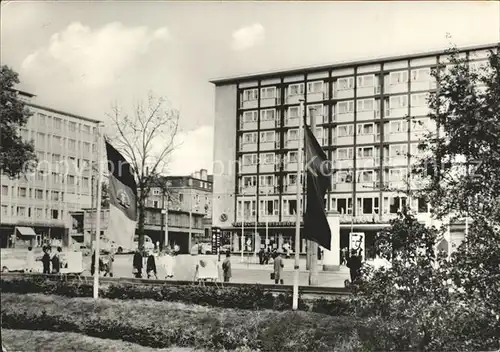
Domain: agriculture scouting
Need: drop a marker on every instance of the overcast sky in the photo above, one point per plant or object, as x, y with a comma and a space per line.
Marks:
81, 56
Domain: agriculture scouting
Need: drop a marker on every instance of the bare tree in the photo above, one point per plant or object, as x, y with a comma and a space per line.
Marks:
146, 137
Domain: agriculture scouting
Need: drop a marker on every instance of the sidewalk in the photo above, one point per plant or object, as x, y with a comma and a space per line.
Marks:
252, 263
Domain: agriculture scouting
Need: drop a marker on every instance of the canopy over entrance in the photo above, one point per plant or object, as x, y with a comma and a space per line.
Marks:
25, 231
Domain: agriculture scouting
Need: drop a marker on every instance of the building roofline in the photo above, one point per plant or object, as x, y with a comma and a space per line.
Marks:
62, 112
22, 92
342, 64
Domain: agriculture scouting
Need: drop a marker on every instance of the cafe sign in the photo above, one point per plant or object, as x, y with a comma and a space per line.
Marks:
269, 224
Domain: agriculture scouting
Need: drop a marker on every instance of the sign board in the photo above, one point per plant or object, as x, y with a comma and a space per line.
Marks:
269, 224
357, 242
216, 239
207, 268
71, 262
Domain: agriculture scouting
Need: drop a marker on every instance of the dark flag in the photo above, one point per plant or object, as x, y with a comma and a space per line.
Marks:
122, 200
318, 173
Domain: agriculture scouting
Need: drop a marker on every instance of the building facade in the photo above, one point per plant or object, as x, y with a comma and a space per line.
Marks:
370, 116
65, 146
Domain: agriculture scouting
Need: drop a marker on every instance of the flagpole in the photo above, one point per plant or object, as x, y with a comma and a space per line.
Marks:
295, 304
313, 264
242, 228
98, 213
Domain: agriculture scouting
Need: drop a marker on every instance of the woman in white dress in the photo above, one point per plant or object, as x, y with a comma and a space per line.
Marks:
167, 263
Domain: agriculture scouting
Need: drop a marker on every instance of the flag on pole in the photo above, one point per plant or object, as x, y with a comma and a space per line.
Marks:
318, 173
122, 200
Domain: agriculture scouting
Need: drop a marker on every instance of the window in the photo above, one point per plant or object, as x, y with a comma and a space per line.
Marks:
365, 104
41, 119
396, 204
398, 150
86, 147
71, 180
422, 205
365, 152
344, 205
365, 176
292, 157
267, 180
55, 213
57, 142
5, 190
248, 207
21, 192
267, 136
249, 159
296, 89
398, 126
421, 74
40, 175
315, 110
368, 205
267, 115
419, 125
250, 138
419, 99
398, 102
268, 93
40, 156
5, 210
38, 194
40, 140
250, 94
269, 207
365, 129
38, 213
345, 130
55, 195
399, 77
315, 87
293, 112
249, 181
397, 175
291, 179
344, 153
269, 159
57, 123
366, 81
344, 177
56, 158
250, 116
345, 83
345, 107
86, 129
72, 126
181, 197
293, 135
21, 211
72, 145
291, 208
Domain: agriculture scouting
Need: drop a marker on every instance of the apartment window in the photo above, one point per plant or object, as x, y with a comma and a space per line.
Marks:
345, 130
57, 123
38, 194
422, 205
292, 134
365, 104
40, 156
365, 129
365, 152
250, 116
419, 99
398, 150
56, 158
315, 87
71, 145
40, 140
267, 180
344, 205
250, 138
291, 207
293, 112
368, 205
181, 197
399, 77
421, 74
366, 81
249, 159
267, 115
86, 147
291, 179
40, 175
72, 126
292, 157
21, 192
41, 119
344, 177
365, 176
398, 175
268, 93
269, 207
21, 211
249, 181
345, 107
268, 136
269, 159
398, 126
55, 195
86, 129
71, 180
398, 102
250, 94
38, 213
296, 89
248, 207
55, 214
345, 83
396, 204
5, 210
5, 190
344, 153
56, 142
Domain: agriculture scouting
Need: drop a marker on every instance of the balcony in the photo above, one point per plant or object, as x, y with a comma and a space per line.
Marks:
268, 145
248, 169
368, 185
344, 164
268, 102
291, 188
365, 138
347, 140
341, 187
365, 115
396, 137
366, 162
248, 125
270, 167
291, 121
396, 161
248, 147
291, 166
365, 91
399, 112
247, 190
397, 88
346, 117
344, 93
294, 99
423, 85
292, 144
268, 124
249, 104
317, 96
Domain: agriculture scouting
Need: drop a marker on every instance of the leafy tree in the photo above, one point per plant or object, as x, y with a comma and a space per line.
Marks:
16, 156
146, 137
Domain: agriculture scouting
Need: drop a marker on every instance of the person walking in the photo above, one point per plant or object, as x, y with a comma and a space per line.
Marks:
46, 260
226, 267
151, 266
278, 269
137, 264
110, 258
56, 261
166, 262
30, 260
354, 264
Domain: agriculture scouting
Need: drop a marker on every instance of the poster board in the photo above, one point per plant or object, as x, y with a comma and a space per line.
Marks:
71, 262
207, 269
357, 242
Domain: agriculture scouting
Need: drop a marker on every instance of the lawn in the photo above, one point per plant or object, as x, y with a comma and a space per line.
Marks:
167, 324
27, 340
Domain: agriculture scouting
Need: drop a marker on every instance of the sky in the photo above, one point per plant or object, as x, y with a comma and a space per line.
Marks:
81, 57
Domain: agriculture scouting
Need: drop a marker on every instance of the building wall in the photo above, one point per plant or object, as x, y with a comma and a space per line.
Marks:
224, 155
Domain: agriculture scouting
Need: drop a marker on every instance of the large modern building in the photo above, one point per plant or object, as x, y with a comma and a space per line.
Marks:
370, 116
37, 205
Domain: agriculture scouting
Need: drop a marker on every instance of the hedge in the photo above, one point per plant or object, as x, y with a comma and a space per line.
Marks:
244, 297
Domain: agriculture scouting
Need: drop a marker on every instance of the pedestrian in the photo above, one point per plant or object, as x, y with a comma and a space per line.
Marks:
166, 262
46, 260
137, 264
30, 260
56, 261
176, 249
92, 264
110, 258
354, 264
343, 256
261, 256
226, 267
278, 269
267, 255
151, 266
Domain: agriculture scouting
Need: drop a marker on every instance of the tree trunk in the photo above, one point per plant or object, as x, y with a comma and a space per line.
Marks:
142, 216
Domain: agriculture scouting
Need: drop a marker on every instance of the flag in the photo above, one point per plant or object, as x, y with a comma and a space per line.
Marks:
318, 173
122, 200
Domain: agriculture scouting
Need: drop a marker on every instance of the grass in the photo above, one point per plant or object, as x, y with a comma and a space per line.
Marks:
164, 324
27, 340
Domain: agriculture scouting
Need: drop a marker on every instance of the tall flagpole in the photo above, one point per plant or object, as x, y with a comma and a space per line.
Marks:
98, 213
313, 261
295, 304
242, 228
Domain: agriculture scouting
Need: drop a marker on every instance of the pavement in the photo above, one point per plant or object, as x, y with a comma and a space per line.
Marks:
248, 271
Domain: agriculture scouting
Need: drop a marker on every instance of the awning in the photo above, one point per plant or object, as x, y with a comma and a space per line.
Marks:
26, 231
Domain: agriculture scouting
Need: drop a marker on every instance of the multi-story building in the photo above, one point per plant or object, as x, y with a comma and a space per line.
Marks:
38, 204
370, 116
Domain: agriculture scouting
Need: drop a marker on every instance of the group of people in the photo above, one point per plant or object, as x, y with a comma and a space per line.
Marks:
51, 262
164, 258
105, 263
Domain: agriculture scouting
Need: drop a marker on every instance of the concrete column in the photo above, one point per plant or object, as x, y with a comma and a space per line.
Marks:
236, 242
258, 243
331, 259
280, 242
